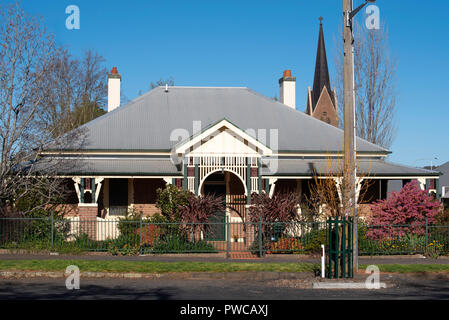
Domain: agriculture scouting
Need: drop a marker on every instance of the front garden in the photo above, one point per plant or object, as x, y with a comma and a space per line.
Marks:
409, 222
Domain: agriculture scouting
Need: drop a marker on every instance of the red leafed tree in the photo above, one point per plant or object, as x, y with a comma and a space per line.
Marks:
281, 207
408, 210
198, 210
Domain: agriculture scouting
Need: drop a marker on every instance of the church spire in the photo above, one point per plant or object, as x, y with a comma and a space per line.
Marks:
321, 78
322, 103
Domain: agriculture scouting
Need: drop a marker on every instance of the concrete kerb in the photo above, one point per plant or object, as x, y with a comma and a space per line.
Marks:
236, 276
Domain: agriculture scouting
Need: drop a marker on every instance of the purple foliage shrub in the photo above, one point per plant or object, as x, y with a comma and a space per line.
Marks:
407, 210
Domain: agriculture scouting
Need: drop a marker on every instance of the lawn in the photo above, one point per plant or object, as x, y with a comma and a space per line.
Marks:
411, 268
152, 267
167, 267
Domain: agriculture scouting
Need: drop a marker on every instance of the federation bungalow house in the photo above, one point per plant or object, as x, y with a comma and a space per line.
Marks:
229, 141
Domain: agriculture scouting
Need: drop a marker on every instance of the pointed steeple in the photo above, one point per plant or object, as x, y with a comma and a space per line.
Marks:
321, 102
321, 78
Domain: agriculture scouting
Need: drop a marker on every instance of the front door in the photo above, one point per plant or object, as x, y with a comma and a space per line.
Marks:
216, 231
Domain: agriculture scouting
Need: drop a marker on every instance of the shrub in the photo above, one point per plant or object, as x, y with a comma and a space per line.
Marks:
313, 240
122, 245
178, 244
169, 200
197, 212
411, 207
150, 233
442, 217
434, 249
279, 208
286, 245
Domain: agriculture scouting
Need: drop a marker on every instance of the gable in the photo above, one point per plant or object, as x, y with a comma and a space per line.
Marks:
224, 142
325, 109
223, 138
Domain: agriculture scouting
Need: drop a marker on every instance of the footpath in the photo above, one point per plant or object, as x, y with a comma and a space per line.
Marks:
300, 279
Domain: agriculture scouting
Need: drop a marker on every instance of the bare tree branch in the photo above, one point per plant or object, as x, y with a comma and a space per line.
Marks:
375, 92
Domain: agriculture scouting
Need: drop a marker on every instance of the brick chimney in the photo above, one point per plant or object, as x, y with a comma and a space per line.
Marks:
114, 79
288, 89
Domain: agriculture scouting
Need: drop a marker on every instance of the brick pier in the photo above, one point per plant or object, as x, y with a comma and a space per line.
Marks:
88, 219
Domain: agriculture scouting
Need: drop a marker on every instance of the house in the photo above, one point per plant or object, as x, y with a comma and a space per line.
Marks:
229, 141
443, 191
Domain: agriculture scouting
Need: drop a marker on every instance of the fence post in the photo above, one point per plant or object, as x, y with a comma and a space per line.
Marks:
228, 235
52, 231
140, 243
260, 237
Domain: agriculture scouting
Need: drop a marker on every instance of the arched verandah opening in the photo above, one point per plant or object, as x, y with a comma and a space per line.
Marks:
229, 186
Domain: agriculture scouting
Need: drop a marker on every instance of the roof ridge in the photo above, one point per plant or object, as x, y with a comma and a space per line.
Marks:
201, 87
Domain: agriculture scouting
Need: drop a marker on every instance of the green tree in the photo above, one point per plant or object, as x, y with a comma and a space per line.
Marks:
169, 201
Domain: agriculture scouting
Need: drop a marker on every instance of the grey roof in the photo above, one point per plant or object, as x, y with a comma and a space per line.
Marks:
107, 166
147, 166
368, 167
147, 122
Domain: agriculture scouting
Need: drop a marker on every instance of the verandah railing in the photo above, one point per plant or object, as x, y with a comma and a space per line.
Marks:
142, 237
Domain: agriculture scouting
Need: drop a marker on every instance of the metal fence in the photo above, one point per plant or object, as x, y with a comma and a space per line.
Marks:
125, 236
403, 239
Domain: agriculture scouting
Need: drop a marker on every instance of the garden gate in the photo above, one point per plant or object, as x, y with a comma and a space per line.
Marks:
340, 248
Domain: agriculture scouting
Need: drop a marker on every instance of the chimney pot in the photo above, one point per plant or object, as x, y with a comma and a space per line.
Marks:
287, 74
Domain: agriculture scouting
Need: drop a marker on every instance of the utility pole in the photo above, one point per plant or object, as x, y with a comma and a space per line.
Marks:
349, 125
350, 168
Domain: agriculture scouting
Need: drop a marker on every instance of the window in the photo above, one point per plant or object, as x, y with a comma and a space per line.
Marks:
118, 192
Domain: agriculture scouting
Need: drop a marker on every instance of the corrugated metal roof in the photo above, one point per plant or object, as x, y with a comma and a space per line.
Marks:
163, 166
147, 122
370, 168
107, 166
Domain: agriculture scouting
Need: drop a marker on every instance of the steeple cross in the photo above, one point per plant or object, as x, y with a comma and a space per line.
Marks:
321, 20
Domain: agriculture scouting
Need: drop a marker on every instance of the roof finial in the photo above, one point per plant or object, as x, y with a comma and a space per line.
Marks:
321, 20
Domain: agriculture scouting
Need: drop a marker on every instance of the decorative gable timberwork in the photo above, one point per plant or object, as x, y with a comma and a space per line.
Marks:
222, 147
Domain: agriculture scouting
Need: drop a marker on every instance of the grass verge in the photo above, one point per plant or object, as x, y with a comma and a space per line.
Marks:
411, 268
152, 267
167, 267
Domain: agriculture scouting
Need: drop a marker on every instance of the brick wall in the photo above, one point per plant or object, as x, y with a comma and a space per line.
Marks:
88, 220
147, 209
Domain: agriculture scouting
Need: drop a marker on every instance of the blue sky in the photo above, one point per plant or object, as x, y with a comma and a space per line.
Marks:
250, 43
